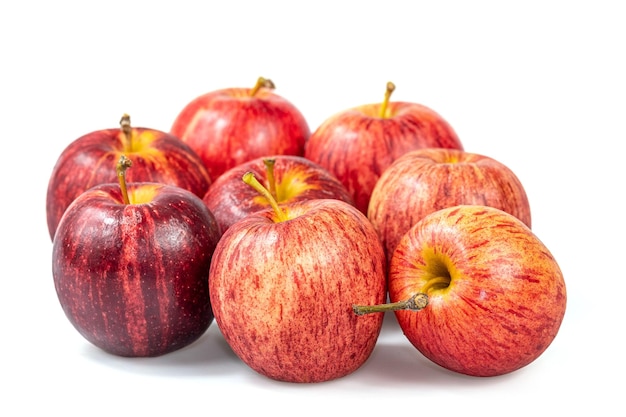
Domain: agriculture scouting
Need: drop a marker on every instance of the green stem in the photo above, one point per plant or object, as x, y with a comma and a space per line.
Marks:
415, 303
122, 165
383, 107
269, 168
251, 180
261, 83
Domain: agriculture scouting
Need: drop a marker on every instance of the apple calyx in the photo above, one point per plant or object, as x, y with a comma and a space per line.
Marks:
262, 82
269, 168
122, 165
251, 180
415, 303
383, 107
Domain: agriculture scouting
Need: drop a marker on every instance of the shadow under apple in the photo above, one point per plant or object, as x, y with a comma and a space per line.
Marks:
208, 356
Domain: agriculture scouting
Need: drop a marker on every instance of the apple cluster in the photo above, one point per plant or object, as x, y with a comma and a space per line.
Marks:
297, 242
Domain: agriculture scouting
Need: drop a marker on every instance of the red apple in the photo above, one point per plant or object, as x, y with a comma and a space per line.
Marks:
426, 180
358, 144
292, 178
282, 283
90, 160
495, 294
230, 126
132, 277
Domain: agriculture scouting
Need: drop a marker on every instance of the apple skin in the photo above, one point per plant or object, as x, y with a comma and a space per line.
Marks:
282, 291
505, 300
91, 160
228, 127
426, 180
296, 178
357, 145
132, 278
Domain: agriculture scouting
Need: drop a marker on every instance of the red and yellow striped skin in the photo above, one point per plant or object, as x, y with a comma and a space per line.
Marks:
92, 159
282, 292
506, 298
297, 179
426, 180
357, 145
228, 127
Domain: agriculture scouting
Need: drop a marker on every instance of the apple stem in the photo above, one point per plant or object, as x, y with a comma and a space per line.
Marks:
251, 180
261, 82
415, 303
125, 126
383, 108
269, 168
122, 165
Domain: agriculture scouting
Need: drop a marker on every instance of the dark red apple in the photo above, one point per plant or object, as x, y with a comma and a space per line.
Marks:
90, 160
283, 281
489, 295
132, 277
426, 180
230, 126
358, 144
291, 178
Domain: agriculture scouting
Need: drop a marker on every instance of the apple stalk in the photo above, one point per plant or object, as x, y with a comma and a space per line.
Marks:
415, 303
261, 82
251, 180
383, 107
122, 165
271, 180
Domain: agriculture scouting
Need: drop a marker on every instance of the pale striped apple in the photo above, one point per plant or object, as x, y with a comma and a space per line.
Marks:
491, 295
282, 283
426, 180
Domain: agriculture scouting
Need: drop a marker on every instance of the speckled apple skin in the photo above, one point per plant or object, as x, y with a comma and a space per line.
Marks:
92, 159
426, 180
228, 127
296, 178
282, 293
132, 279
506, 299
357, 145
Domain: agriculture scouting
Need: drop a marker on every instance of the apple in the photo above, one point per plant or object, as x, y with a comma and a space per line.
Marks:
90, 160
229, 126
358, 144
291, 178
282, 283
130, 264
488, 294
426, 180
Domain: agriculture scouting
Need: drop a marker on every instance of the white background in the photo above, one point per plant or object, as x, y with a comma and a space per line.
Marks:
538, 85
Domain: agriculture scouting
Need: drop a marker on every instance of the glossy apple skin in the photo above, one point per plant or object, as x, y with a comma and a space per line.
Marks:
296, 178
282, 293
426, 180
132, 279
506, 299
357, 145
228, 127
92, 158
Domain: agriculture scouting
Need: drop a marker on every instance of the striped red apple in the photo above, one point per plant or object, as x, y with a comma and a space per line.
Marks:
489, 296
290, 178
426, 180
90, 160
358, 144
230, 126
282, 283
130, 265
